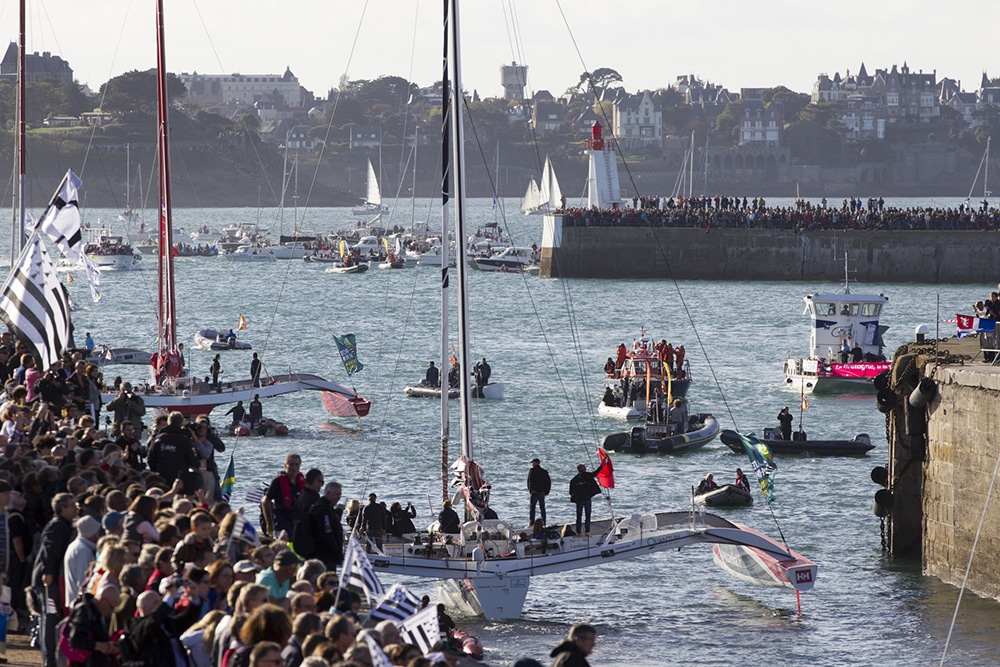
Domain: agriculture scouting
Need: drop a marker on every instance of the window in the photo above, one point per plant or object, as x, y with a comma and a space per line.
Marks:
824, 309
871, 309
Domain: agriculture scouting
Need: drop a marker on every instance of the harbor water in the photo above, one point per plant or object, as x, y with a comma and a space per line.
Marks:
547, 340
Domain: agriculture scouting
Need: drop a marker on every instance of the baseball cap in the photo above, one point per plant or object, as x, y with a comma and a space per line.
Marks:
245, 566
286, 558
112, 520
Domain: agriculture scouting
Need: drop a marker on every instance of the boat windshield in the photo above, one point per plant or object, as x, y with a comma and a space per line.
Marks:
871, 309
824, 308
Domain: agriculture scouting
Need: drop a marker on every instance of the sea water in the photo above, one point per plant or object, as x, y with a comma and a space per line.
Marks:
547, 340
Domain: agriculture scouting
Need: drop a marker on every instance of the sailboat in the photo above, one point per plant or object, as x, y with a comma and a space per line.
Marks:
486, 567
545, 197
373, 199
170, 387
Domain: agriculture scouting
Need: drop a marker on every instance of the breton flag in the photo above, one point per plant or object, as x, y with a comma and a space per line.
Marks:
93, 278
398, 604
228, 480
35, 305
244, 530
967, 324
255, 494
359, 575
61, 220
348, 347
422, 629
378, 656
762, 462
606, 471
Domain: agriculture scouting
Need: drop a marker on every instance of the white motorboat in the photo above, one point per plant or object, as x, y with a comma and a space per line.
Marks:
493, 390
206, 236
217, 340
111, 252
846, 350
636, 380
348, 268
487, 566
246, 253
510, 259
727, 495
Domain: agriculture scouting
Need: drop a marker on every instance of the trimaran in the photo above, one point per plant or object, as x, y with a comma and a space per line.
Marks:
484, 565
171, 388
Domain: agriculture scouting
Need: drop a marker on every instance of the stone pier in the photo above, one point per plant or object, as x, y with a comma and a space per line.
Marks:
942, 461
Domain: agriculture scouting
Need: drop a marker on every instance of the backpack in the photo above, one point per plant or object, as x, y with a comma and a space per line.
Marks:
68, 654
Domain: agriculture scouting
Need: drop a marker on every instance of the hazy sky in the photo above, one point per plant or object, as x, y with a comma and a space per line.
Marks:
649, 42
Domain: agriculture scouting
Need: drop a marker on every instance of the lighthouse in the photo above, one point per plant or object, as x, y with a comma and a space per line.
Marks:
602, 180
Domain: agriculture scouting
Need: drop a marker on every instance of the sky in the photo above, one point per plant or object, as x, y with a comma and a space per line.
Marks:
649, 42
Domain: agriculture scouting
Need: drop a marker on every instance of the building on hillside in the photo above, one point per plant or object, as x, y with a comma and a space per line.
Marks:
583, 124
366, 137
760, 124
702, 94
637, 121
38, 67
97, 117
299, 141
907, 96
244, 89
513, 78
863, 117
547, 116
62, 121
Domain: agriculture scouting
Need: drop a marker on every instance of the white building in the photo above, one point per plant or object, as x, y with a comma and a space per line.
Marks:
210, 89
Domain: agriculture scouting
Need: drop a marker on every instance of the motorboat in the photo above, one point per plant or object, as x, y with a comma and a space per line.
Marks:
846, 350
727, 495
641, 377
206, 235
214, 339
859, 445
700, 430
248, 253
264, 426
111, 252
426, 391
325, 258
512, 258
348, 268
107, 356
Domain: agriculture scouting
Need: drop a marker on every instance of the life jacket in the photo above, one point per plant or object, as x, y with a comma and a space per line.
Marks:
287, 502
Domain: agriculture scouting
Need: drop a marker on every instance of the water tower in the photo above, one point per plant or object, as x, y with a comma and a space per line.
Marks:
513, 78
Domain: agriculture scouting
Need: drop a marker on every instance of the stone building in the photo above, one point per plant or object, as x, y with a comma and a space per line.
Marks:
637, 121
243, 89
37, 67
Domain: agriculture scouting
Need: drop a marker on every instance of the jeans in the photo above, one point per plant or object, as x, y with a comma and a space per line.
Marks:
582, 507
537, 499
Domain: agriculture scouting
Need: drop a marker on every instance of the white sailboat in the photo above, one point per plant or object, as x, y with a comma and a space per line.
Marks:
373, 199
544, 197
485, 567
171, 388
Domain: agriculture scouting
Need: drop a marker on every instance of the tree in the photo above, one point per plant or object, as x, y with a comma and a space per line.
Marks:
598, 81
133, 94
791, 102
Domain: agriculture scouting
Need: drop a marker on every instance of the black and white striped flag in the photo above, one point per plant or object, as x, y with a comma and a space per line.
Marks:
35, 305
422, 629
378, 656
359, 575
397, 604
61, 220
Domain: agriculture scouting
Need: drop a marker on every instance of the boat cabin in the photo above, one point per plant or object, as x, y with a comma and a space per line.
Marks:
367, 245
846, 318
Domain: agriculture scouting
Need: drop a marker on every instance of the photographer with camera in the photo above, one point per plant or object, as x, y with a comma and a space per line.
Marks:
127, 406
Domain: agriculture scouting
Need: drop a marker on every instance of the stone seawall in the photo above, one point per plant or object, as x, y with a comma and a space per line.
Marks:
942, 457
762, 254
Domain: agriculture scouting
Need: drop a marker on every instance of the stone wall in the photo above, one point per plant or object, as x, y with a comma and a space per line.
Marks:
963, 446
760, 254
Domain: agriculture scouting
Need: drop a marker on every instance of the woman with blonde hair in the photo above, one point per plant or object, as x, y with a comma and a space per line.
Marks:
199, 638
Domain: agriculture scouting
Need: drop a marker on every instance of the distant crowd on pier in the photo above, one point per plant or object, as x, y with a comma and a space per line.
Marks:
741, 213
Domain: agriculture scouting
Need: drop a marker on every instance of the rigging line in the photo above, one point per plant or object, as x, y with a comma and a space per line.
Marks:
249, 134
406, 116
208, 35
333, 112
104, 93
972, 553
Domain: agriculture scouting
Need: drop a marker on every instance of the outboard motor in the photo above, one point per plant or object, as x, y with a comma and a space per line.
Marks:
638, 437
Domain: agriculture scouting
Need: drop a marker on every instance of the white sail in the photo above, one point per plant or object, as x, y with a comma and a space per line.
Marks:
374, 194
554, 201
543, 185
532, 198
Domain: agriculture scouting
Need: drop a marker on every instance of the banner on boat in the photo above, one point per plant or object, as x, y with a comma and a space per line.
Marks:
762, 462
349, 353
860, 370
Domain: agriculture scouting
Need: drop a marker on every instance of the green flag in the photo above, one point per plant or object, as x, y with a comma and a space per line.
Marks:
348, 353
762, 462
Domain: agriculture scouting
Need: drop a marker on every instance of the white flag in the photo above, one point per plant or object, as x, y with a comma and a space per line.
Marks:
422, 629
378, 656
61, 220
94, 278
35, 305
358, 572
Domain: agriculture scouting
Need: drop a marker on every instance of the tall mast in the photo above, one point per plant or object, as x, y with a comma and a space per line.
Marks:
445, 256
17, 224
462, 267
167, 306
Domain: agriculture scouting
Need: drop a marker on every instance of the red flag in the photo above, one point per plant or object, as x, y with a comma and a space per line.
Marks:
606, 471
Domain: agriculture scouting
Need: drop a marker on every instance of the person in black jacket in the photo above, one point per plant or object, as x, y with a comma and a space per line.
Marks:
302, 534
48, 571
172, 452
448, 521
327, 531
539, 485
402, 519
88, 627
373, 519
151, 636
582, 488
578, 645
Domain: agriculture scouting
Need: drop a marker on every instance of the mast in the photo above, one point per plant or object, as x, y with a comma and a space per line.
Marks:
167, 305
462, 267
17, 223
128, 180
986, 173
445, 255
691, 169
